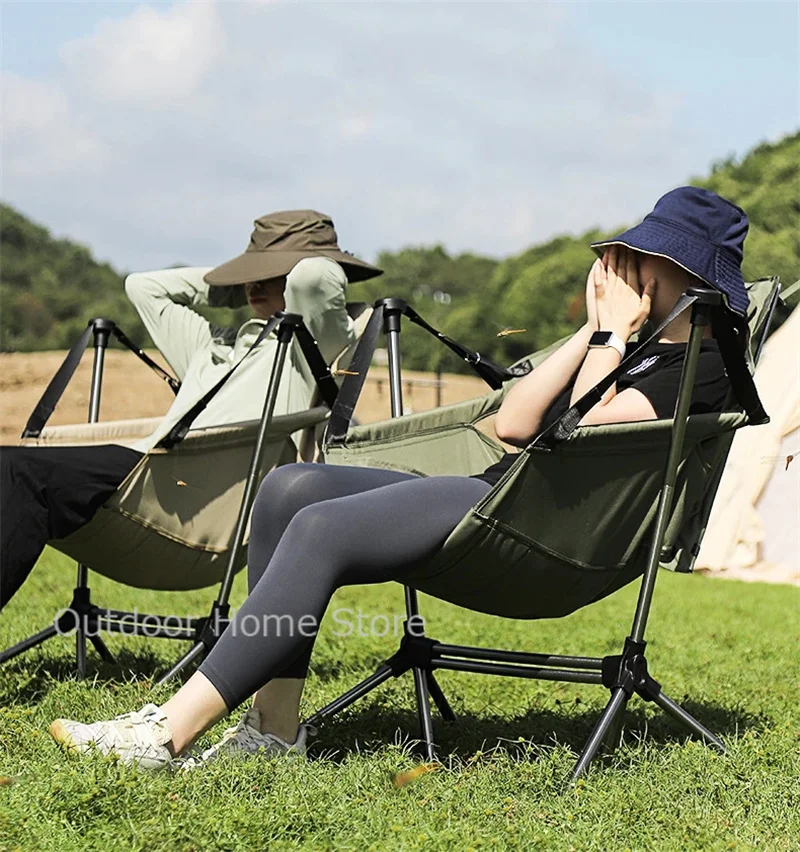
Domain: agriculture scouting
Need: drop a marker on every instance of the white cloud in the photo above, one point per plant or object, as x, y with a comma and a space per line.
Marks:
354, 127
151, 57
483, 126
42, 135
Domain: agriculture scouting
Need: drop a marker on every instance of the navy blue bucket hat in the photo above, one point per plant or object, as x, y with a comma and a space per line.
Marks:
698, 230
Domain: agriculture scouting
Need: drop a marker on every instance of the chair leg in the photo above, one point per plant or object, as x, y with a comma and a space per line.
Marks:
677, 712
80, 649
615, 706
614, 734
383, 673
102, 649
439, 699
424, 711
27, 644
87, 629
197, 650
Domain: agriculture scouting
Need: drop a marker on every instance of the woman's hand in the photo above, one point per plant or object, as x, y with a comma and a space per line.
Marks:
591, 301
621, 301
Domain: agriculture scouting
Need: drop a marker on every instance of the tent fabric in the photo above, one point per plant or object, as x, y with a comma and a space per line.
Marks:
753, 528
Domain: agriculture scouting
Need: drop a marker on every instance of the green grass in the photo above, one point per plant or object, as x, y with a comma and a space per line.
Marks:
729, 649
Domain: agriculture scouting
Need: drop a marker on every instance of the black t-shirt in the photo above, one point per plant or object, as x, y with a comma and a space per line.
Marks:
656, 373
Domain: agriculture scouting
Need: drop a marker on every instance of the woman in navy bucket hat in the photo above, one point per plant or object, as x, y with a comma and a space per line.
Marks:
701, 232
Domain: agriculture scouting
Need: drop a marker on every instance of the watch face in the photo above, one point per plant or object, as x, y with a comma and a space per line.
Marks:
600, 338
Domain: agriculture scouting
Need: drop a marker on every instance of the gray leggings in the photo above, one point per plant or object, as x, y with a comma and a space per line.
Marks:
314, 528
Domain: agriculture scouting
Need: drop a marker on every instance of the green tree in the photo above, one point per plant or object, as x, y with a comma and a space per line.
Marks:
49, 288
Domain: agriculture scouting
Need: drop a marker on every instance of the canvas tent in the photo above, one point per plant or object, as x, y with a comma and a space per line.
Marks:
754, 529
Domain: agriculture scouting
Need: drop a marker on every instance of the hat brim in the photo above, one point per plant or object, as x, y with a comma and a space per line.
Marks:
691, 253
253, 266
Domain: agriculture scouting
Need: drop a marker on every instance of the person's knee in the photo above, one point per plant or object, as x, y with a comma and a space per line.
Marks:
285, 491
319, 529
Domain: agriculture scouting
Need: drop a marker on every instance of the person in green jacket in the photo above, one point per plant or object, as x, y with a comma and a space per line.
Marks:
292, 263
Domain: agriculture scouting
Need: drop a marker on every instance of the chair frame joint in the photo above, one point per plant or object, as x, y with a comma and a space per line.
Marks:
628, 671
415, 652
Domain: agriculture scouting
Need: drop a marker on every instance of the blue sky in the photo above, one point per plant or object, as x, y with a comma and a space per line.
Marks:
745, 55
157, 132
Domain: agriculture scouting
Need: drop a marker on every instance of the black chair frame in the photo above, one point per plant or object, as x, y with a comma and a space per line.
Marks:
624, 674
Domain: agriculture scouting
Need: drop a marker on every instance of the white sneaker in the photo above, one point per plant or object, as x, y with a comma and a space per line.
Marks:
246, 740
138, 738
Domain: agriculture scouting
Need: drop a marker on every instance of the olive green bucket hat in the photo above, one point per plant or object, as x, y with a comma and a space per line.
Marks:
279, 240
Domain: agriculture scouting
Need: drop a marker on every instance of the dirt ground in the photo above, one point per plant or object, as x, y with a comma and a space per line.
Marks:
130, 390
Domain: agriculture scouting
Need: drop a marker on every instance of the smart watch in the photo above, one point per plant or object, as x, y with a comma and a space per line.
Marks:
604, 339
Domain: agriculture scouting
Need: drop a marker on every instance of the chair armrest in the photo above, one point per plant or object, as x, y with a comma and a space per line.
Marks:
107, 432
624, 438
129, 432
466, 414
244, 433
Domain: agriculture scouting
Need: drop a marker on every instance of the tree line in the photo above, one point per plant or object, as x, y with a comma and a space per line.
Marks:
50, 287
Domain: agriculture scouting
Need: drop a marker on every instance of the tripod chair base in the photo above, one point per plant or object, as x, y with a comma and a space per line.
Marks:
623, 674
415, 654
87, 621
83, 619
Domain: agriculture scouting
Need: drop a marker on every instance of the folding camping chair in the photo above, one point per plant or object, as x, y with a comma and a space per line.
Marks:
179, 521
643, 501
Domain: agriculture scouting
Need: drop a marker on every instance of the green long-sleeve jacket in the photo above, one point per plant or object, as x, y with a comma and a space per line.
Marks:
315, 288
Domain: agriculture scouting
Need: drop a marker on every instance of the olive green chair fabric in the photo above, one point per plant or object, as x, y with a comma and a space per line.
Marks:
169, 524
568, 523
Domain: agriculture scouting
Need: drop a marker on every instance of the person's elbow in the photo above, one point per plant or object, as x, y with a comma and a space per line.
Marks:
135, 284
140, 288
315, 282
511, 430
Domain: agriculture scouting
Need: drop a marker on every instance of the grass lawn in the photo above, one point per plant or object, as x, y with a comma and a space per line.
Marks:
730, 648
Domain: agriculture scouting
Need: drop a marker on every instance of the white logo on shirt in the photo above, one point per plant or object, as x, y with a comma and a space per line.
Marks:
645, 365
